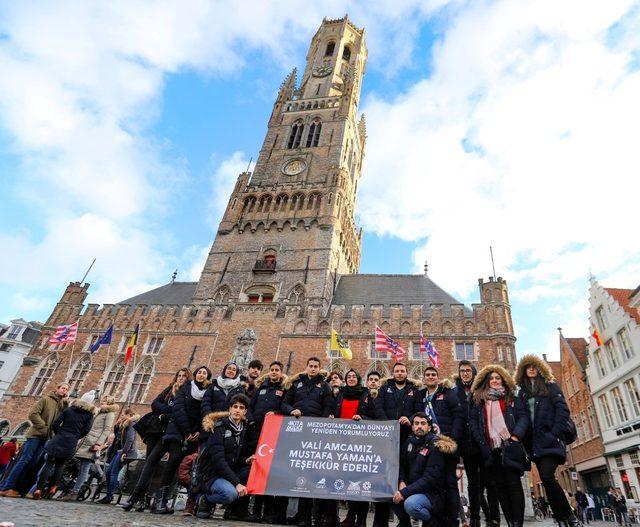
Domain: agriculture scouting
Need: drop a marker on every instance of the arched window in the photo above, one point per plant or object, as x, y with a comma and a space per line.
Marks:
297, 201
260, 294
44, 374
296, 296
141, 379
313, 137
222, 296
22, 429
346, 53
5, 427
79, 373
296, 135
114, 377
331, 46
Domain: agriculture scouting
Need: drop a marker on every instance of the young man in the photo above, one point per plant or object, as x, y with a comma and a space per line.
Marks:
447, 415
223, 467
308, 394
420, 492
400, 399
254, 370
42, 416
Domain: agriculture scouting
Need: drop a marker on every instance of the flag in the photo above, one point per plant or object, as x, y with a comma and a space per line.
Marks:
105, 338
388, 345
65, 334
133, 340
426, 346
340, 344
596, 335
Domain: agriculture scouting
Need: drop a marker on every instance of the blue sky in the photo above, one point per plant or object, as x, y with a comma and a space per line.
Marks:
490, 123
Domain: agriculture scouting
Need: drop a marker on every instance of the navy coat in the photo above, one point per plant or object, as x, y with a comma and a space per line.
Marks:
368, 406
216, 400
397, 403
311, 396
69, 427
466, 445
267, 398
449, 412
186, 415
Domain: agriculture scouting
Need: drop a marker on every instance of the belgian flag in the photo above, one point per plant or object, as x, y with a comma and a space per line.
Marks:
133, 340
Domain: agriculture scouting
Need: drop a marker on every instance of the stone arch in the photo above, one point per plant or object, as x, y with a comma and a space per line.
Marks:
5, 427
79, 372
323, 327
43, 374
22, 428
405, 328
469, 328
300, 328
265, 203
222, 295
415, 371
447, 328
140, 380
297, 201
281, 202
426, 328
380, 367
295, 134
173, 325
365, 328
345, 328
296, 295
156, 324
249, 204
384, 326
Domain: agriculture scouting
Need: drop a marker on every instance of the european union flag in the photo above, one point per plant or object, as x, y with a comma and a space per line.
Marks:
105, 338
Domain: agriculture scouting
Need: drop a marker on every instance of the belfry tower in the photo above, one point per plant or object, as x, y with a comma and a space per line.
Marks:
288, 229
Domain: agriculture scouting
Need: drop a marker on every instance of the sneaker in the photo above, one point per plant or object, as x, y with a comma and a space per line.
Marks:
37, 494
72, 496
105, 501
12, 494
51, 492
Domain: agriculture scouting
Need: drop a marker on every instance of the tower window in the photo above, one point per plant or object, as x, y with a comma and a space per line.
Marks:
313, 137
296, 135
346, 53
331, 46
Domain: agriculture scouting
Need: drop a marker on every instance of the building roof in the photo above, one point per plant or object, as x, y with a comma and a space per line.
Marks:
623, 298
556, 368
579, 348
392, 289
172, 293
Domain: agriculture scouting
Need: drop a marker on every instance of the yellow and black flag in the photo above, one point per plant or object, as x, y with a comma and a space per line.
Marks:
340, 344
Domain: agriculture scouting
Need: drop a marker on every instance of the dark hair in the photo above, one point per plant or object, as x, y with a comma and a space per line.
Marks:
336, 373
315, 359
240, 398
208, 372
256, 363
173, 387
535, 386
400, 364
430, 368
276, 363
421, 415
465, 362
373, 373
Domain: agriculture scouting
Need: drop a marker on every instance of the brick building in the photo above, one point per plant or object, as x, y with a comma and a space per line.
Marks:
282, 270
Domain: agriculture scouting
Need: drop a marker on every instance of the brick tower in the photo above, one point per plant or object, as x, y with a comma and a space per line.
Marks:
288, 230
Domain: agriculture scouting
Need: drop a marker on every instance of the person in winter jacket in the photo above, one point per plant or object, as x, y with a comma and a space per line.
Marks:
421, 494
69, 427
400, 398
447, 417
126, 452
8, 451
184, 426
499, 422
549, 415
224, 463
222, 389
254, 371
308, 394
42, 416
89, 447
470, 452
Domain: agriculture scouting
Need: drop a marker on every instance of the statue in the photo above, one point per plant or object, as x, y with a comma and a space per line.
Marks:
243, 354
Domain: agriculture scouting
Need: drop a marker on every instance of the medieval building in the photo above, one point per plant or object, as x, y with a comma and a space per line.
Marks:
282, 270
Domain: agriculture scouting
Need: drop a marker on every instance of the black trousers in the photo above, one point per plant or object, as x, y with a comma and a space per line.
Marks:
476, 472
555, 495
382, 510
508, 488
452, 503
174, 448
51, 472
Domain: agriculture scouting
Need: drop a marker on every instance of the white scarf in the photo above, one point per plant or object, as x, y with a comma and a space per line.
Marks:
226, 384
196, 392
498, 431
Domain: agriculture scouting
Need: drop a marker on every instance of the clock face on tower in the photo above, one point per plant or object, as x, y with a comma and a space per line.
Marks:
293, 167
321, 71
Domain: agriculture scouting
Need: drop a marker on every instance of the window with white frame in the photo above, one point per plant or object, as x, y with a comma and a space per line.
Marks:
114, 377
500, 354
602, 370
601, 317
508, 353
593, 423
633, 457
332, 354
580, 430
79, 373
606, 410
621, 409
141, 379
57, 346
377, 355
612, 354
574, 383
619, 460
634, 395
14, 332
625, 344
464, 351
154, 345
45, 372
415, 351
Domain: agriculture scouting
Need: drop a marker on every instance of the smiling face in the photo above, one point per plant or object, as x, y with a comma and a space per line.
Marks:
430, 378
495, 381
352, 378
253, 373
230, 371
201, 375
181, 377
466, 373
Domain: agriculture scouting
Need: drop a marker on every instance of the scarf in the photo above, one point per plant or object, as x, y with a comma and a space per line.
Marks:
493, 394
197, 392
226, 385
236, 429
352, 392
498, 431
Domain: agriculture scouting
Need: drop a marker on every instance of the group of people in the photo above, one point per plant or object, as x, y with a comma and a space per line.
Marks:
208, 428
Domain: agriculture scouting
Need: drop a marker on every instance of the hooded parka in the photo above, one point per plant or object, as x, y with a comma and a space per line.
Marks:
312, 396
186, 414
400, 402
447, 408
71, 425
43, 414
266, 398
99, 433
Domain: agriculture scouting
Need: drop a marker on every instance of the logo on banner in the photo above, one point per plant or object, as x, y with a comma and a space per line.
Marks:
294, 426
322, 484
353, 487
301, 482
264, 448
366, 486
338, 484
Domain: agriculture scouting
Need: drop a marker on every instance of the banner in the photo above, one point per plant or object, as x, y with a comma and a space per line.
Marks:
326, 458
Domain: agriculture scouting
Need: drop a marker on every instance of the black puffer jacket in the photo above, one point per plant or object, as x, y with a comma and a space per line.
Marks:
422, 466
311, 396
368, 405
267, 398
449, 412
186, 415
396, 403
216, 400
223, 454
69, 427
466, 445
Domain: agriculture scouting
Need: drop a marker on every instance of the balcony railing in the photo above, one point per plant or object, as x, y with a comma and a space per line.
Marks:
264, 266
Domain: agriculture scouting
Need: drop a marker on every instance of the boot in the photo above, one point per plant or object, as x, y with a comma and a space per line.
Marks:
162, 504
189, 507
205, 508
572, 521
350, 518
137, 496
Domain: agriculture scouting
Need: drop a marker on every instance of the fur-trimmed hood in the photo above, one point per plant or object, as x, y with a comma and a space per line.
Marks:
291, 380
445, 444
373, 392
209, 421
114, 408
543, 369
83, 405
265, 376
491, 368
130, 420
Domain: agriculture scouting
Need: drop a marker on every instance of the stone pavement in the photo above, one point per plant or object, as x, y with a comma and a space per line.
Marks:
28, 513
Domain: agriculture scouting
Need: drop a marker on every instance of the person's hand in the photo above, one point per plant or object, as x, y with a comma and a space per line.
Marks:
251, 459
269, 413
402, 485
505, 435
404, 420
296, 413
397, 497
514, 438
331, 416
356, 417
242, 490
123, 457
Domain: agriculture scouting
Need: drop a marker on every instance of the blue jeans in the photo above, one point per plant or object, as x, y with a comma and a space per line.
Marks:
83, 474
222, 492
417, 506
112, 473
32, 450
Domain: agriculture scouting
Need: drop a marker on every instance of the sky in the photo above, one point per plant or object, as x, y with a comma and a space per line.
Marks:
511, 124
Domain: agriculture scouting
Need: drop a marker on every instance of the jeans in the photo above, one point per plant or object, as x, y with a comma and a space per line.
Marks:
555, 495
416, 506
112, 473
32, 450
223, 491
83, 474
508, 489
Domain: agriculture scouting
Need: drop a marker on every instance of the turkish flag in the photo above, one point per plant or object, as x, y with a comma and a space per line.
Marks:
259, 475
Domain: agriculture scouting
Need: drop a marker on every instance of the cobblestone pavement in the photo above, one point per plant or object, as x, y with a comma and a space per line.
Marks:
28, 513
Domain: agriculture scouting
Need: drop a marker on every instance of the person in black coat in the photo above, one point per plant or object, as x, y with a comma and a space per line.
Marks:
498, 423
550, 416
69, 427
442, 405
421, 494
222, 389
400, 398
224, 463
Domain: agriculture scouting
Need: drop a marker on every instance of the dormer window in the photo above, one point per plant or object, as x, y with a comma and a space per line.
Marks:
331, 46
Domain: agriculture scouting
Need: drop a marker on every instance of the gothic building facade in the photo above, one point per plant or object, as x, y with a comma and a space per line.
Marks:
282, 270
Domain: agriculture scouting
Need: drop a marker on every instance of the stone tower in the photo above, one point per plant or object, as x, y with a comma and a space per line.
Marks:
288, 230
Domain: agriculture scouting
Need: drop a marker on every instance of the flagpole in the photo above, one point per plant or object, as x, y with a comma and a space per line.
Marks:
278, 348
212, 349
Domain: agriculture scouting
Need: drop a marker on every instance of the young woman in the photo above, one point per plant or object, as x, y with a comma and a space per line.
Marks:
549, 414
498, 423
90, 446
69, 427
222, 389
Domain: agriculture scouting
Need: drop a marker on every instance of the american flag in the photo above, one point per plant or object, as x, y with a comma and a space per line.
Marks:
65, 334
426, 346
388, 345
